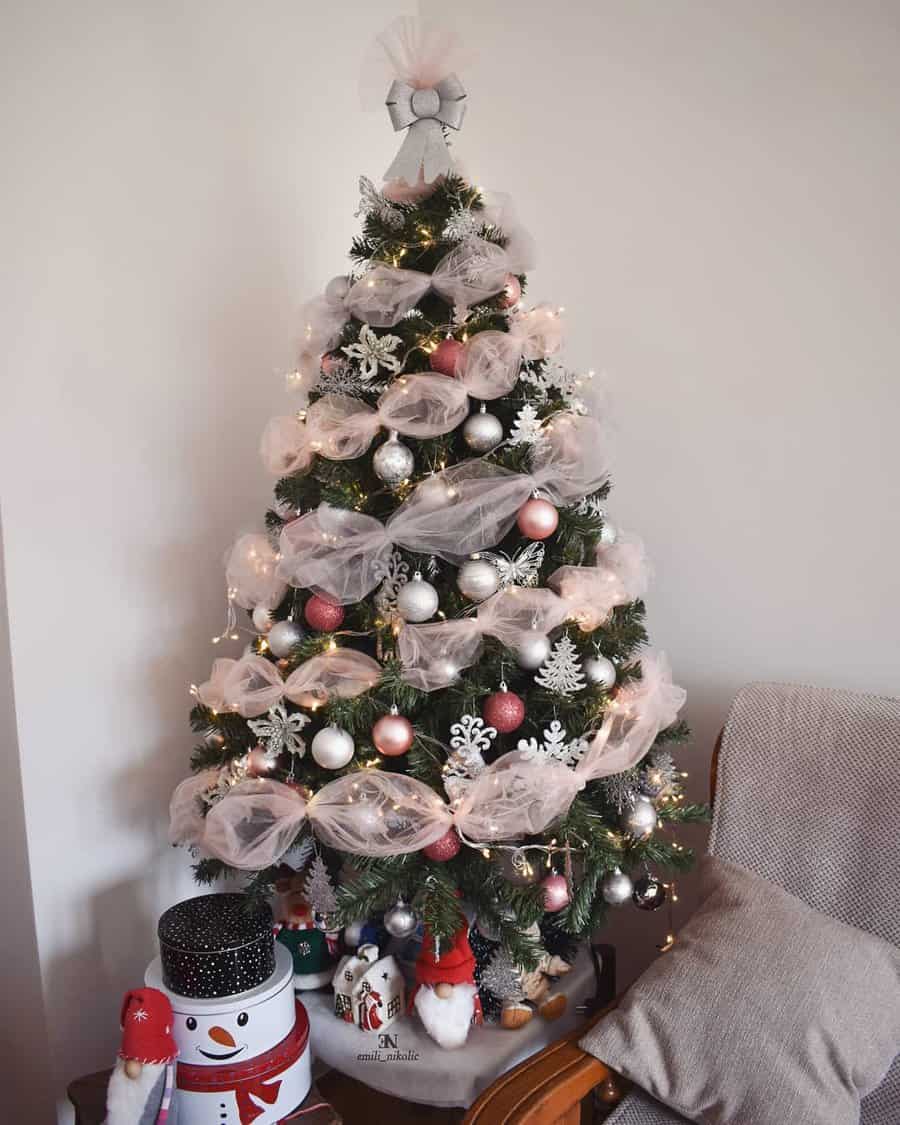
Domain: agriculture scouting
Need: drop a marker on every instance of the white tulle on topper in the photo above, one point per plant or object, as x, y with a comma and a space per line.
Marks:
418, 58
433, 655
641, 709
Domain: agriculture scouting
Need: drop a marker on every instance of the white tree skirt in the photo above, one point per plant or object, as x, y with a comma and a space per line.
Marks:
425, 1072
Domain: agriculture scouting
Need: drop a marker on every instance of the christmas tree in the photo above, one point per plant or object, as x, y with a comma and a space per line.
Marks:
448, 686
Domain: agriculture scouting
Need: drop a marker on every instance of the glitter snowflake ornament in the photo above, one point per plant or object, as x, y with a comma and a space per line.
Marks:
469, 739
279, 731
341, 378
556, 747
461, 224
373, 352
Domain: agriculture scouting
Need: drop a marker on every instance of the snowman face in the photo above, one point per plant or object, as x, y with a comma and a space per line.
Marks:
231, 1037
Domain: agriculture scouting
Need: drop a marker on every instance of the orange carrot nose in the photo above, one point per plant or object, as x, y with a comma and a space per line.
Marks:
220, 1035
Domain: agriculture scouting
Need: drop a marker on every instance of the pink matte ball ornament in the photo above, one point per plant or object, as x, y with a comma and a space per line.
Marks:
445, 848
504, 710
512, 292
393, 735
331, 362
445, 356
537, 518
556, 893
323, 615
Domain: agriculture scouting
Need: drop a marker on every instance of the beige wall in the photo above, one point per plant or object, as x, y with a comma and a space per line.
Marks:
713, 190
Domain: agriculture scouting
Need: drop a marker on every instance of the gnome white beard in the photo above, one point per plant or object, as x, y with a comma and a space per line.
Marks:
127, 1097
448, 1020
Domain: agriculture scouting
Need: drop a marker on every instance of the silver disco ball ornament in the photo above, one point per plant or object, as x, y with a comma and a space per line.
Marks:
478, 579
393, 461
417, 600
639, 818
649, 893
533, 651
482, 431
599, 671
283, 636
400, 921
616, 887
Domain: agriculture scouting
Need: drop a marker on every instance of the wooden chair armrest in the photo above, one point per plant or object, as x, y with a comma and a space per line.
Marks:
548, 1087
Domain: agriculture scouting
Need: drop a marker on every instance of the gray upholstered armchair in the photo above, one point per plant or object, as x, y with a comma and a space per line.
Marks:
806, 797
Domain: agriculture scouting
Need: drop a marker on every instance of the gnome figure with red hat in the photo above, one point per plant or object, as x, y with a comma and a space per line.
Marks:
445, 995
142, 1085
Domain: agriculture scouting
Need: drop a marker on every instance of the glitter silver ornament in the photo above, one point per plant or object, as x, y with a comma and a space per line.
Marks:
482, 431
332, 748
393, 461
649, 893
599, 671
477, 579
639, 819
262, 619
533, 651
283, 636
400, 921
417, 600
616, 887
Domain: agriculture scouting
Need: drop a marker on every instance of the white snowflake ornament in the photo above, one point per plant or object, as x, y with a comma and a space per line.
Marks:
278, 731
556, 747
373, 352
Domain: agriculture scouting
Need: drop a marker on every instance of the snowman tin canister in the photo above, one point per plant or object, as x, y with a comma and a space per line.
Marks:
216, 945
242, 1058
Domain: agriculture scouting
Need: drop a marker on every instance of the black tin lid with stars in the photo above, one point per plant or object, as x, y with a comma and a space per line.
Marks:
216, 945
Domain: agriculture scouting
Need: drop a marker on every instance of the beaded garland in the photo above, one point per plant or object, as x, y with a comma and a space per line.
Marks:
213, 946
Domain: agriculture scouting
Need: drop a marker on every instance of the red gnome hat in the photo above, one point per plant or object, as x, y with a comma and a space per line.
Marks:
455, 966
146, 1021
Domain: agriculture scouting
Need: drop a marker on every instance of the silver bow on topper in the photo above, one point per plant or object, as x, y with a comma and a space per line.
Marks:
423, 112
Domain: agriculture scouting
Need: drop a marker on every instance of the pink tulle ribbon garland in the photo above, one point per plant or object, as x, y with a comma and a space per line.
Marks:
375, 813
461, 511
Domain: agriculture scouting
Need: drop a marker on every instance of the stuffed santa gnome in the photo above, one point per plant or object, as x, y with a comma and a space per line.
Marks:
445, 995
142, 1084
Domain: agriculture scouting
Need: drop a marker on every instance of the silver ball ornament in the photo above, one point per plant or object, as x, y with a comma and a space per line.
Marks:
649, 893
533, 651
478, 579
639, 819
599, 671
616, 887
417, 601
400, 921
332, 748
482, 431
283, 636
393, 461
262, 619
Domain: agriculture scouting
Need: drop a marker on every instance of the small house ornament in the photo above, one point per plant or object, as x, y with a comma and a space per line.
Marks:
369, 990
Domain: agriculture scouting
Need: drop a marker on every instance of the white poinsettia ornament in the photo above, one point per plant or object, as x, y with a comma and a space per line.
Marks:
372, 352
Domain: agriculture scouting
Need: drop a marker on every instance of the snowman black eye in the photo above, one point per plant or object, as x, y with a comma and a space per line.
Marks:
242, 1019
190, 1023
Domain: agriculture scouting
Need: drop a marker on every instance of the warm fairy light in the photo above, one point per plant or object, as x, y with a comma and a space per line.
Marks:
293, 379
263, 645
332, 645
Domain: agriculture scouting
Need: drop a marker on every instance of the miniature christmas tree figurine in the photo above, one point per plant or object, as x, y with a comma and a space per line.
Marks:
447, 643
